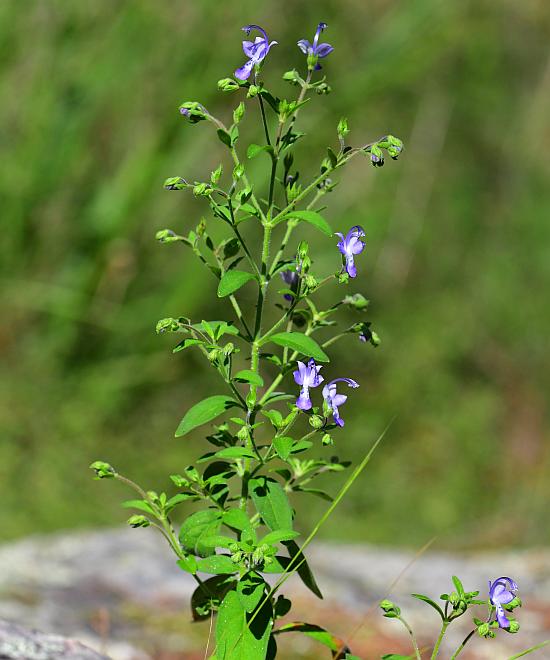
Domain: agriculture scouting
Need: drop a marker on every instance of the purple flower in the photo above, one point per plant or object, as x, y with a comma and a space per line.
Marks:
501, 592
254, 50
307, 377
291, 278
334, 400
350, 246
315, 50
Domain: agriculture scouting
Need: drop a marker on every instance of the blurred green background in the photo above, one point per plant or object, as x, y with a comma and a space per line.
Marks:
457, 266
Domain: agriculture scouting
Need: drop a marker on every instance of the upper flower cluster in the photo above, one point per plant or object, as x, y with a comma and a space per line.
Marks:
309, 376
257, 50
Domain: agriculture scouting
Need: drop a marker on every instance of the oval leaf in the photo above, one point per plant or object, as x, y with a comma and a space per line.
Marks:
249, 376
272, 503
233, 280
255, 149
301, 343
203, 412
217, 565
197, 528
313, 218
237, 635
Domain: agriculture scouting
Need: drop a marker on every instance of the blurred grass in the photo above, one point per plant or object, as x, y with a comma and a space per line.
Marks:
457, 266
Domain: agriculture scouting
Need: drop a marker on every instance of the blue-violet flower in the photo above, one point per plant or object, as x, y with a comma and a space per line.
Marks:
307, 377
501, 592
291, 278
315, 50
350, 246
335, 400
254, 50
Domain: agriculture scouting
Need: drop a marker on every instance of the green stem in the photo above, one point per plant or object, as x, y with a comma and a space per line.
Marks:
459, 649
439, 639
413, 638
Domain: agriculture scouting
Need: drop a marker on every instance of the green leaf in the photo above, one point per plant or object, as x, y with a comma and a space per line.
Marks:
237, 519
249, 376
224, 137
217, 565
255, 149
198, 527
186, 343
217, 328
209, 595
458, 586
235, 452
312, 217
235, 640
188, 564
142, 505
431, 602
279, 535
301, 343
272, 503
250, 590
317, 633
314, 491
203, 412
233, 280
394, 656
283, 445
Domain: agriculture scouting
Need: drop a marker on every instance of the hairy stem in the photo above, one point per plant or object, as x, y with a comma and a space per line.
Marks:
459, 649
413, 638
439, 639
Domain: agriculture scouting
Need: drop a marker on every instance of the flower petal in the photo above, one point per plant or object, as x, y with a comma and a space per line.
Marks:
249, 48
501, 618
303, 402
304, 46
350, 267
323, 50
244, 72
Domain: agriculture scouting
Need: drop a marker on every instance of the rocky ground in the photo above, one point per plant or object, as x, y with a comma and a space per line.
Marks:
121, 594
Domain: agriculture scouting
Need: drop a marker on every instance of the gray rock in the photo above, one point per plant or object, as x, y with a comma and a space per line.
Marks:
70, 583
17, 643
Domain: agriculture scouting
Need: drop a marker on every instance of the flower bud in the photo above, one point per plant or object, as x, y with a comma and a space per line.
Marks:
376, 156
193, 111
316, 421
514, 626
168, 236
167, 325
228, 85
238, 171
483, 630
202, 189
253, 91
216, 174
243, 434
103, 470
310, 282
343, 278
238, 113
356, 301
292, 77
391, 611
323, 88
343, 128
515, 602
228, 349
395, 146
175, 183
327, 439
138, 521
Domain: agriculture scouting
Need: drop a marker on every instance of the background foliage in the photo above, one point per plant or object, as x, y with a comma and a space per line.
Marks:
456, 266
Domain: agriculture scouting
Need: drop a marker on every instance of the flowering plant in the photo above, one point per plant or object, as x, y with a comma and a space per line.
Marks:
244, 531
